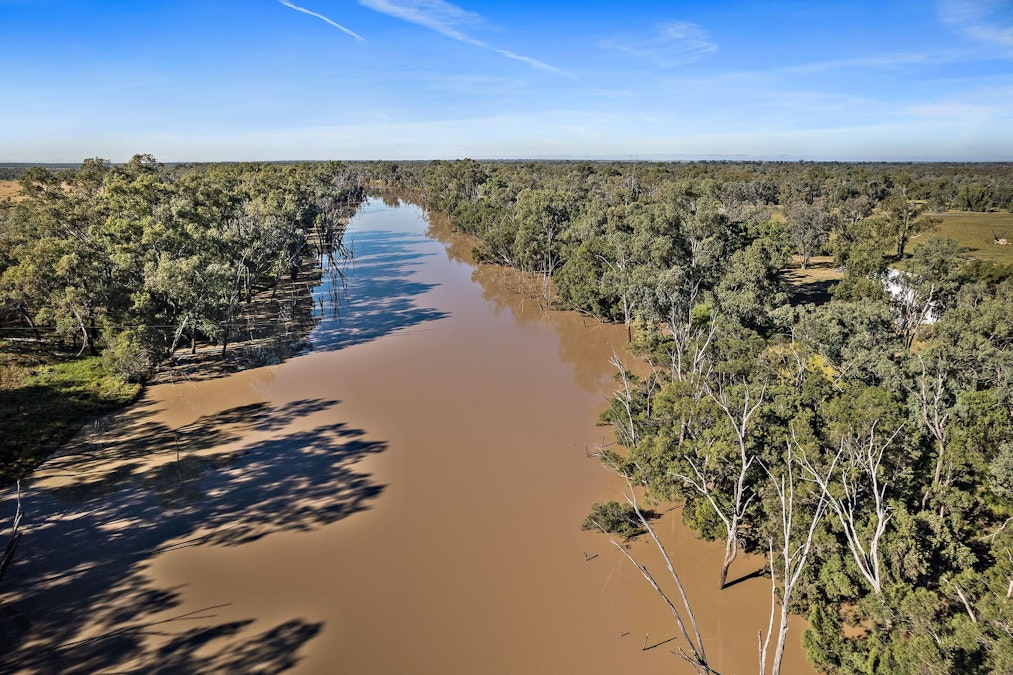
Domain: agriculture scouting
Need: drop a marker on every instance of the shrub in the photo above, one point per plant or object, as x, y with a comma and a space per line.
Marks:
128, 356
615, 518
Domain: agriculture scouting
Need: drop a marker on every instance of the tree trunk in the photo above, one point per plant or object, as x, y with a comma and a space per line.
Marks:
781, 635
731, 552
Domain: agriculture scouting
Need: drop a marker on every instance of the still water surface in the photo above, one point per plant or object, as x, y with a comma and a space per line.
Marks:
405, 498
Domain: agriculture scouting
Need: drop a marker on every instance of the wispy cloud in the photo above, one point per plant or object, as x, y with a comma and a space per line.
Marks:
675, 43
477, 83
984, 20
322, 18
440, 16
449, 20
875, 61
965, 112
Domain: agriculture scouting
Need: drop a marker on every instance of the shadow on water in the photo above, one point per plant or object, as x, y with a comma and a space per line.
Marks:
98, 514
379, 297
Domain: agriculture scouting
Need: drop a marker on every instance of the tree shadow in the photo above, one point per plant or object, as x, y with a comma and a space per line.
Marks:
98, 515
756, 574
375, 296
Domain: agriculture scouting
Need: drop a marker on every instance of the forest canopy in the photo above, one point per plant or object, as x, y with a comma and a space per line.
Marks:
125, 264
881, 410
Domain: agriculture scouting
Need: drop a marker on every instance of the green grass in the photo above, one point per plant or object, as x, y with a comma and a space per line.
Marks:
974, 231
44, 402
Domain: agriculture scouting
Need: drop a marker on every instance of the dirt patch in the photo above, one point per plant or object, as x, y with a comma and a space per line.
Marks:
9, 189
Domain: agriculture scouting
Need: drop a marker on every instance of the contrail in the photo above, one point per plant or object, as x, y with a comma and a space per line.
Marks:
525, 59
322, 18
448, 19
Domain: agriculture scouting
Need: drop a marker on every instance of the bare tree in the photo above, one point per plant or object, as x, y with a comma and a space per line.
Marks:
696, 656
625, 425
932, 398
690, 344
860, 457
794, 554
730, 509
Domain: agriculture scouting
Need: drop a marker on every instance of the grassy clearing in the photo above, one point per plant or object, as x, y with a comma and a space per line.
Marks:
814, 283
45, 400
974, 231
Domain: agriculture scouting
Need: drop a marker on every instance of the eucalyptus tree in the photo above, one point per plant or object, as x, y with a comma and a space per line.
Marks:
907, 219
541, 216
796, 514
809, 225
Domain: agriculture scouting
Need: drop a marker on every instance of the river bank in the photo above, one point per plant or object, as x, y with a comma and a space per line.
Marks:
406, 497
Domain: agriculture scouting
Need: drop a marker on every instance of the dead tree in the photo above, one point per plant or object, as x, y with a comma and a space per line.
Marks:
732, 514
794, 554
860, 458
690, 344
696, 656
932, 397
626, 428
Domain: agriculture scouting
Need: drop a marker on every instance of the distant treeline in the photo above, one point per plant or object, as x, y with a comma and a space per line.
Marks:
940, 185
131, 259
864, 444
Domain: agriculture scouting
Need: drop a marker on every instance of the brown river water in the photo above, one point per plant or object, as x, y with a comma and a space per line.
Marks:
404, 498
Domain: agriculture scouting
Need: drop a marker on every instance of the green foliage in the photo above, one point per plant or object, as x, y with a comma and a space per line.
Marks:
972, 197
908, 422
128, 355
614, 518
1000, 472
130, 259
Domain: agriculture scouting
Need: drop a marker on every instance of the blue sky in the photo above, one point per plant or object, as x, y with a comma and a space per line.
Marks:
420, 79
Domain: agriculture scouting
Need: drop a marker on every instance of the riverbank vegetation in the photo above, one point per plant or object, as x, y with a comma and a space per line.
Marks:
860, 438
106, 271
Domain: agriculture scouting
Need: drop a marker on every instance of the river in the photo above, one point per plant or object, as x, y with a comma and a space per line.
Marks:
406, 497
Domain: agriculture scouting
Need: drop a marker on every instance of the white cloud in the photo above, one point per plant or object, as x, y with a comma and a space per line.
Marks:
442, 17
875, 61
676, 43
322, 18
449, 20
985, 20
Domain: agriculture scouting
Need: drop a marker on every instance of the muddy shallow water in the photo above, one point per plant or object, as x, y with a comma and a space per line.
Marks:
405, 498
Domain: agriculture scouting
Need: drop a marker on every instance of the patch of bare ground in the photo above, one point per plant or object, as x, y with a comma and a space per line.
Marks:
9, 190
813, 284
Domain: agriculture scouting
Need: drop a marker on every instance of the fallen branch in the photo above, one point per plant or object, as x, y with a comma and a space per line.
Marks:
12, 543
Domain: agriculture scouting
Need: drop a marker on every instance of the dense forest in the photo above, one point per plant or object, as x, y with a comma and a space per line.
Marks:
861, 439
123, 265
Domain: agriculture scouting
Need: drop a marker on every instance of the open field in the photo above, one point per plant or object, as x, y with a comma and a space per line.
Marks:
975, 231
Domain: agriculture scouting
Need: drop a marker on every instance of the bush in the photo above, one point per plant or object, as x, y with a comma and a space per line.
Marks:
616, 518
129, 357
1001, 472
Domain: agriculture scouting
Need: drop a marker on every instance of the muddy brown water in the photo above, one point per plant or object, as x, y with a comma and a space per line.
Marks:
405, 498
